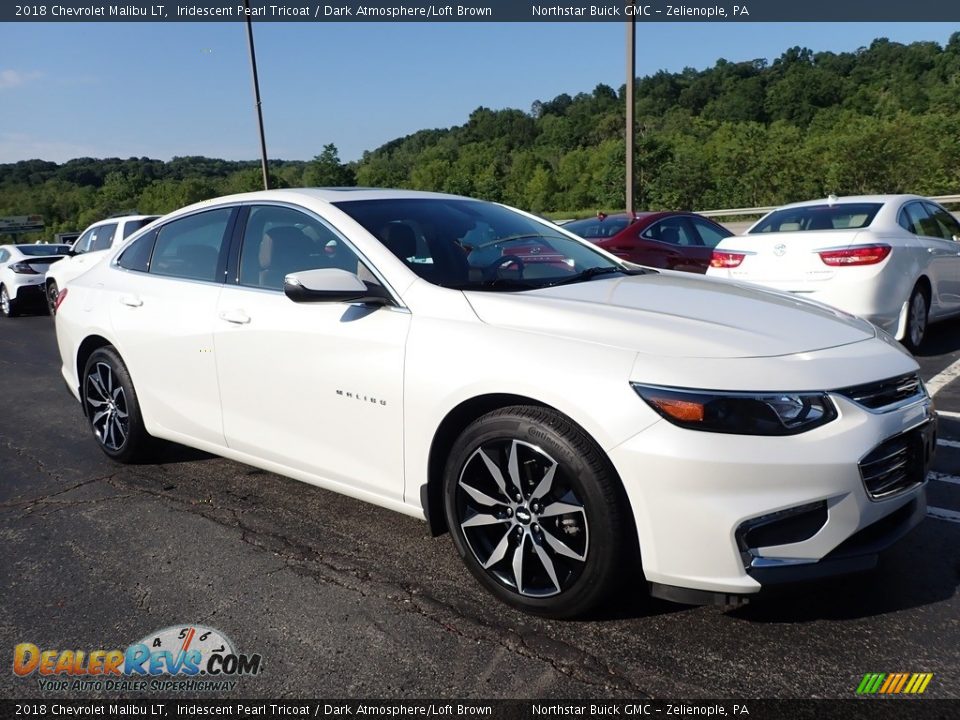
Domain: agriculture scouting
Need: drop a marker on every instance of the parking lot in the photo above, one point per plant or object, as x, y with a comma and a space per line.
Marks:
343, 599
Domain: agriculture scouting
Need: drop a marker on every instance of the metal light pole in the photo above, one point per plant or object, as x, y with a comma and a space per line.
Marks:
256, 97
631, 74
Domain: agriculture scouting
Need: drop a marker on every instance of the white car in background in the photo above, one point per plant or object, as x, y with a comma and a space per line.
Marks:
562, 419
88, 248
22, 269
892, 259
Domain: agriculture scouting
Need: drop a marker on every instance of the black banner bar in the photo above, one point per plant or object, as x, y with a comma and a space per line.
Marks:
866, 708
485, 11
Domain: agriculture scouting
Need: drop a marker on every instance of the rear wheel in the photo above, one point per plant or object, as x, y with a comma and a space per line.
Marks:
8, 306
52, 292
917, 315
111, 406
536, 511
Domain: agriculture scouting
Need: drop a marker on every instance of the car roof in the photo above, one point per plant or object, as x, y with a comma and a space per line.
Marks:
847, 199
329, 195
119, 219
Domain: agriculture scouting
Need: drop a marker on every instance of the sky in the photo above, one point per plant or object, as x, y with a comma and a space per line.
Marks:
171, 89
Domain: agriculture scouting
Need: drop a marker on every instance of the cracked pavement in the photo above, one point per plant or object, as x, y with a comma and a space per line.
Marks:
344, 599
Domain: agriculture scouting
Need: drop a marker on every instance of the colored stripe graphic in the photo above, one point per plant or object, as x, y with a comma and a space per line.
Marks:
894, 683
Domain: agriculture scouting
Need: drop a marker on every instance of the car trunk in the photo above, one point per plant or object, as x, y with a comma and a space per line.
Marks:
789, 258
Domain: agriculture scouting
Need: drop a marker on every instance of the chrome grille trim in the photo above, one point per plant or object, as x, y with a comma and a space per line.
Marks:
896, 465
886, 395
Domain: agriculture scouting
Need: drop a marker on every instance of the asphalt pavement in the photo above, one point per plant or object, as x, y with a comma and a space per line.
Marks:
344, 599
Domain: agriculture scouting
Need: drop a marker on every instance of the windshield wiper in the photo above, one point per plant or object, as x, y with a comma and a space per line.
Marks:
595, 272
497, 284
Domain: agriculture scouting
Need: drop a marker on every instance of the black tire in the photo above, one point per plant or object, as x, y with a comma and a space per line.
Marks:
110, 404
52, 292
918, 311
9, 307
524, 443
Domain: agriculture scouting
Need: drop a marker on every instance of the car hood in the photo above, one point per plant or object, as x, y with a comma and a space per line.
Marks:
675, 315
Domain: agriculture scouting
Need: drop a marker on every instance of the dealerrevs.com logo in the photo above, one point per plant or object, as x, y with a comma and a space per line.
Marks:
188, 658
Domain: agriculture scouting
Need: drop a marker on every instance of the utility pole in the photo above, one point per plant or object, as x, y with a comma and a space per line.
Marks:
256, 96
631, 75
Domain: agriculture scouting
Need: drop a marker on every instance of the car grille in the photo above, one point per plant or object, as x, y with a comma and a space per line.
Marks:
880, 394
897, 464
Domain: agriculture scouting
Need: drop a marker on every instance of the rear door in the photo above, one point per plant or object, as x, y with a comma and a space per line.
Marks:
942, 255
163, 305
674, 243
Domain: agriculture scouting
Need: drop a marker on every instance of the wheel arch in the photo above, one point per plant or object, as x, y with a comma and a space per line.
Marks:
923, 282
90, 344
455, 422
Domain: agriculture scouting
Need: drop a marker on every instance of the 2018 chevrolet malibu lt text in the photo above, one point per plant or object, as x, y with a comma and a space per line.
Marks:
561, 419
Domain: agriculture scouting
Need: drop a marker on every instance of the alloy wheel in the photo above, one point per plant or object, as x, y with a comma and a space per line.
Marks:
4, 301
522, 519
52, 292
107, 407
918, 318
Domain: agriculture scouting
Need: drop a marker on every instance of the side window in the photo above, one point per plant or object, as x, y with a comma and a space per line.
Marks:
904, 221
709, 234
278, 241
103, 237
4, 256
83, 244
913, 217
673, 231
137, 256
949, 227
189, 247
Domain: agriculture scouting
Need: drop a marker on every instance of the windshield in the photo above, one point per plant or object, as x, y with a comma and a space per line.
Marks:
43, 250
475, 245
840, 216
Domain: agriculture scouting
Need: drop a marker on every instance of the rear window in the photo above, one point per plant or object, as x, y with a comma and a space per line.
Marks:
43, 250
133, 225
843, 216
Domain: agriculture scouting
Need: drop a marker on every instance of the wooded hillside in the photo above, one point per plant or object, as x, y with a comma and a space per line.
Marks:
882, 119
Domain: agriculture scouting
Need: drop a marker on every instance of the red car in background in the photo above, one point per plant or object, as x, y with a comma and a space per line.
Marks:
669, 239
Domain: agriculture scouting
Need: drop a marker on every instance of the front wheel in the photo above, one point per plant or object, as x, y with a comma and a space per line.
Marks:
536, 511
112, 409
917, 315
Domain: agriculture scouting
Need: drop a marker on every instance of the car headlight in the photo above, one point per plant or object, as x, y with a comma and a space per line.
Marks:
785, 413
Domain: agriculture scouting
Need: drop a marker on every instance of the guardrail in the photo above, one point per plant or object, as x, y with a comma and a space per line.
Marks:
734, 212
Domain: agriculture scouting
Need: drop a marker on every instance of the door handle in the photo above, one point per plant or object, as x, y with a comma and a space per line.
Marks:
237, 317
131, 301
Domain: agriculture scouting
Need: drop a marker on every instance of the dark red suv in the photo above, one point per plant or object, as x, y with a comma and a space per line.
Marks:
670, 239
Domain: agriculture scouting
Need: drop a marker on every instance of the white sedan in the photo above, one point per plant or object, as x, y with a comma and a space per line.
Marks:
563, 419
22, 269
892, 259
89, 248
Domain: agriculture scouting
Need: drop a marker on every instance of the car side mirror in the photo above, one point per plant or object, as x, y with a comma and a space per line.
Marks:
333, 285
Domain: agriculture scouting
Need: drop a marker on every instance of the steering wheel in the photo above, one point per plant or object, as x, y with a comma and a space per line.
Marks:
490, 271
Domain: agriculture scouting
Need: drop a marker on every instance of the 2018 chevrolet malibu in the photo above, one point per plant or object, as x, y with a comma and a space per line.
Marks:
893, 259
561, 419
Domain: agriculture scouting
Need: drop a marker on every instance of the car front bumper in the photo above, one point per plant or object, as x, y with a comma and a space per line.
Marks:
694, 495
